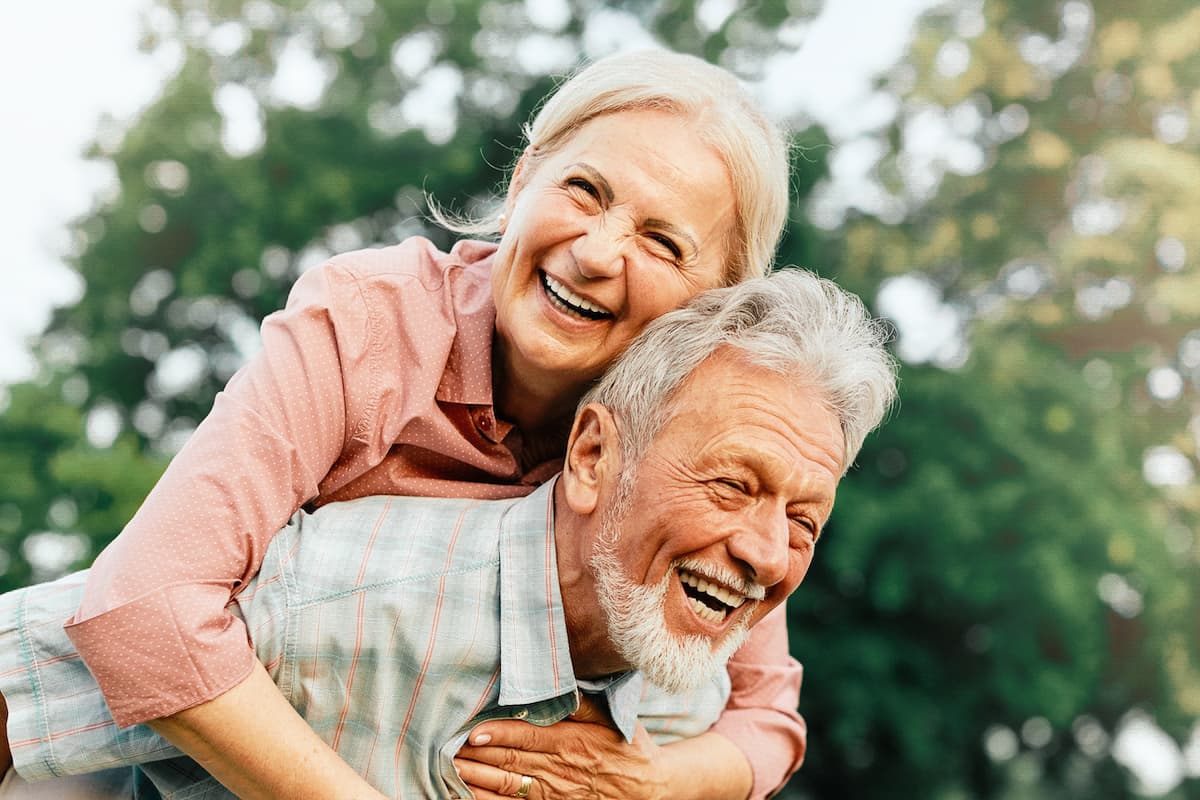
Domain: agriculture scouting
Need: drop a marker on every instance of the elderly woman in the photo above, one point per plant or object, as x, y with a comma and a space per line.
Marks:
647, 178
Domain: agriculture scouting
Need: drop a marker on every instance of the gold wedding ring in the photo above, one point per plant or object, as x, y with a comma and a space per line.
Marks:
526, 785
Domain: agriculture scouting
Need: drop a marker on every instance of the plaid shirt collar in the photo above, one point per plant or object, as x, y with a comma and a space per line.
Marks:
535, 654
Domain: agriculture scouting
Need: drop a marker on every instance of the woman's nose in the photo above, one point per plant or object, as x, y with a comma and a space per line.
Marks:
600, 252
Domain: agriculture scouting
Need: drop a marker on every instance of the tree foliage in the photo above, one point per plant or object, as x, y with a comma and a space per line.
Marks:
1011, 568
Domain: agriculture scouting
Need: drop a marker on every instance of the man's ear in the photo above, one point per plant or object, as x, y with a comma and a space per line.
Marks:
593, 458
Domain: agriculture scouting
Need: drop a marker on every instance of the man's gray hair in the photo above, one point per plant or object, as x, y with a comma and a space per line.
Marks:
791, 322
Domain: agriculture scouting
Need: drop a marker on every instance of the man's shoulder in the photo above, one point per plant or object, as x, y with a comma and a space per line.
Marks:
388, 540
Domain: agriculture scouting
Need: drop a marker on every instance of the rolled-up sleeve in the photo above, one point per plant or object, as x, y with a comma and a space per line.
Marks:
761, 717
153, 625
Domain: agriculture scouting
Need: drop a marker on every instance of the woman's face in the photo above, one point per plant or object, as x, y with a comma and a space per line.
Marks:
628, 219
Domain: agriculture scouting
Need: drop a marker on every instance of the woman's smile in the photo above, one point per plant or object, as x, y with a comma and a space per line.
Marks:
625, 221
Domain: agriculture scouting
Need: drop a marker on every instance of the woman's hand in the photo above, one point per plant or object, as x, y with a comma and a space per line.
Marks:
580, 757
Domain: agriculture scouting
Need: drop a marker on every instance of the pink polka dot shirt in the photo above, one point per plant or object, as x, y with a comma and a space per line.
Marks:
375, 379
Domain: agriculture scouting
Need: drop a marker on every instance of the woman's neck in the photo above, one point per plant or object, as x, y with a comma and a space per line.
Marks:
534, 403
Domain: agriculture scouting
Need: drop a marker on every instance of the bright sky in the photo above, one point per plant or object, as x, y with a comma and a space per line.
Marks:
63, 63
52, 98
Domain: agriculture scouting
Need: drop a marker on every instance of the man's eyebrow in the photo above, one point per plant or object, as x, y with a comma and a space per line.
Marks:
597, 179
766, 468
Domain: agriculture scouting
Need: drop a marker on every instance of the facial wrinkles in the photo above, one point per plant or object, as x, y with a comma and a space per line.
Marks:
653, 282
598, 180
779, 466
767, 462
704, 256
713, 240
658, 171
636, 618
778, 453
796, 442
683, 489
700, 246
657, 183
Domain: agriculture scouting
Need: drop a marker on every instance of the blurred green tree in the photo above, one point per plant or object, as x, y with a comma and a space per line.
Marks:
1001, 583
1009, 573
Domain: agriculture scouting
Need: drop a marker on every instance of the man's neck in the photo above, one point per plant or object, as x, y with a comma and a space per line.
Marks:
592, 652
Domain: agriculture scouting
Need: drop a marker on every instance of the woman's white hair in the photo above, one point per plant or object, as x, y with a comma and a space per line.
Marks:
791, 322
723, 115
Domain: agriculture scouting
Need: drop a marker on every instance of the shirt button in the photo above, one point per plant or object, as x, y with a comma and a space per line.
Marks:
521, 714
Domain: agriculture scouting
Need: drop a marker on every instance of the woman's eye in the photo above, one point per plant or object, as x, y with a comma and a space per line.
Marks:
667, 244
584, 185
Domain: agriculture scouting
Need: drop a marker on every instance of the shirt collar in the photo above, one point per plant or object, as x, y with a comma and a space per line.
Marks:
535, 654
467, 378
623, 695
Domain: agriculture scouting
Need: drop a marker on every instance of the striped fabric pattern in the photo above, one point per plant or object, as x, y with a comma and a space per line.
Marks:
394, 625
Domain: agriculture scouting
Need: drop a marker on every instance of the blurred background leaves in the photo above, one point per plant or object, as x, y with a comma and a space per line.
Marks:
1009, 590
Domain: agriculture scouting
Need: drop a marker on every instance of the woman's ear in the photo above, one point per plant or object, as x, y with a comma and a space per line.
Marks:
593, 461
521, 173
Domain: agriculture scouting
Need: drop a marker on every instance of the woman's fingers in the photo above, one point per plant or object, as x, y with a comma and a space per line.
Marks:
499, 782
535, 739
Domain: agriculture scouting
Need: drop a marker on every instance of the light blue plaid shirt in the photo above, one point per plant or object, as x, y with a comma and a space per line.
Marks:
394, 625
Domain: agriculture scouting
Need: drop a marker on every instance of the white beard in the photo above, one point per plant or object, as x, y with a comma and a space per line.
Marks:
636, 616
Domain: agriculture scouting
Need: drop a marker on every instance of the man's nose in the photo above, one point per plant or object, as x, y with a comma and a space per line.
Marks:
762, 545
600, 252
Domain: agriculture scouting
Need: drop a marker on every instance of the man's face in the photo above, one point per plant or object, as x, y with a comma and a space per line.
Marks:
719, 523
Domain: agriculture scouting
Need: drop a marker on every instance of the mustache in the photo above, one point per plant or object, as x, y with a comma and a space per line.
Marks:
751, 590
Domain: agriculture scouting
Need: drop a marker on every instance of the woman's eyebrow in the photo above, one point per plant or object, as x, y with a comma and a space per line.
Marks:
607, 191
597, 179
674, 230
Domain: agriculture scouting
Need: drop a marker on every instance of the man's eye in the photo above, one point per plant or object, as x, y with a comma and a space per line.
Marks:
808, 526
730, 485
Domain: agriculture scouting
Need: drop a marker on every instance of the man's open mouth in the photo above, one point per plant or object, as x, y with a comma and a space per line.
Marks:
711, 601
567, 301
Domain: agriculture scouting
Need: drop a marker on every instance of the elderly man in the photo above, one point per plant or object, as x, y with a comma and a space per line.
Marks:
698, 477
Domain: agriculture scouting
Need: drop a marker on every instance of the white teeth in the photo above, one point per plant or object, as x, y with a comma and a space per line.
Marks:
569, 297
708, 613
712, 590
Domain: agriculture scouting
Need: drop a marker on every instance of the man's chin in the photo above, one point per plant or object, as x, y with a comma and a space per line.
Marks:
674, 661
678, 681
683, 664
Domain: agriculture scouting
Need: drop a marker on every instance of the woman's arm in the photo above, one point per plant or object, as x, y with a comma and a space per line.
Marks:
254, 742
755, 746
153, 626
584, 756
359, 350
761, 718
5, 752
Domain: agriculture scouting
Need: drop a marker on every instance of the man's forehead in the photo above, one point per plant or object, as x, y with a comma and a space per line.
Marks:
739, 410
